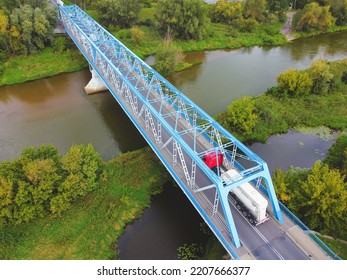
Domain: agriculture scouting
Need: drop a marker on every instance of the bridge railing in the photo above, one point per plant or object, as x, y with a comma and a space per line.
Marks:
308, 232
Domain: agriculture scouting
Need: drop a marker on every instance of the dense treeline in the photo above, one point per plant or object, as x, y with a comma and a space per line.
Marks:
41, 181
89, 230
26, 26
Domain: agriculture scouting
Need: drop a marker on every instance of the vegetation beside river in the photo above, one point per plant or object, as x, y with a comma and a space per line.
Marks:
290, 105
222, 25
47, 63
91, 227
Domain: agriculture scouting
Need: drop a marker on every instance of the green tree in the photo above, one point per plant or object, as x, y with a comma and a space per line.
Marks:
227, 12
313, 17
339, 11
137, 35
254, 9
321, 200
344, 166
278, 5
300, 4
167, 57
81, 165
9, 35
24, 207
246, 25
185, 19
35, 26
6, 199
241, 116
286, 182
123, 13
337, 157
43, 178
321, 76
293, 82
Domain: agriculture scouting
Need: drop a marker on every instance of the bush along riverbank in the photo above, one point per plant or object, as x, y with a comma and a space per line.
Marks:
24, 68
91, 224
313, 97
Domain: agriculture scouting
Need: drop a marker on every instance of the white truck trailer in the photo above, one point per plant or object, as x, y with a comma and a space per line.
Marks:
247, 199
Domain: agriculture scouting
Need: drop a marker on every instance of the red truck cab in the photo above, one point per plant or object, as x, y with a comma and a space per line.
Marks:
213, 160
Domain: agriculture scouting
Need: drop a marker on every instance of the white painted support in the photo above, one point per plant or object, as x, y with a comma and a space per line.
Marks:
95, 84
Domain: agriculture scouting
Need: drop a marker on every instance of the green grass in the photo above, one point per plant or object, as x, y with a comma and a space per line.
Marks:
218, 36
45, 64
90, 229
331, 29
338, 246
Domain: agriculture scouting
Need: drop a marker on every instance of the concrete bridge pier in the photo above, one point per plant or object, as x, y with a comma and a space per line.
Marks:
95, 84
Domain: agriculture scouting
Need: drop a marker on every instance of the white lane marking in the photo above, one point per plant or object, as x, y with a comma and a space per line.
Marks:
259, 234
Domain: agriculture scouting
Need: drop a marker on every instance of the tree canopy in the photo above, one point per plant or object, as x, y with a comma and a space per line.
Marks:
339, 11
26, 26
317, 196
123, 13
227, 12
184, 19
41, 181
313, 17
241, 116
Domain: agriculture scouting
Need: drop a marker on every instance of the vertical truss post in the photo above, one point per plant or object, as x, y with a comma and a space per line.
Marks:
159, 133
215, 203
183, 163
258, 182
224, 200
220, 144
174, 152
212, 136
272, 195
233, 153
192, 177
146, 119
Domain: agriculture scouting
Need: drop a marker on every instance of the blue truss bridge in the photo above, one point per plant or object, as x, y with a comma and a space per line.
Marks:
183, 136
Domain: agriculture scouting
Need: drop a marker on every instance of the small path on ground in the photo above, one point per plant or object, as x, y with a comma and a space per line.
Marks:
287, 28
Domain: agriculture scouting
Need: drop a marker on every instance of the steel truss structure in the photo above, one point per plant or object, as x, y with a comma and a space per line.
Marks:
178, 131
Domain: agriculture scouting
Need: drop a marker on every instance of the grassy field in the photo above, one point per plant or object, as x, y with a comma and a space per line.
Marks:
90, 229
45, 64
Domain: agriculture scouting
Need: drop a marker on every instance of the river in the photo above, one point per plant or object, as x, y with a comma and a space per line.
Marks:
57, 111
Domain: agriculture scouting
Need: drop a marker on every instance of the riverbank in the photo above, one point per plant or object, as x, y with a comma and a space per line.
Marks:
24, 68
276, 115
90, 229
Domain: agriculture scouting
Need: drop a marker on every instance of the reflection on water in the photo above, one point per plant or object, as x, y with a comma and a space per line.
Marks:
57, 111
171, 221
225, 75
293, 148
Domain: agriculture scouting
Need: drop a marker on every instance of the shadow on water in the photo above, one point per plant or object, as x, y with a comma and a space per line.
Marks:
170, 222
121, 127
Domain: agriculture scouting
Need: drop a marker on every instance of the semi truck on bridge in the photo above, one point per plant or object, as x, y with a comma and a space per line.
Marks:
245, 197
